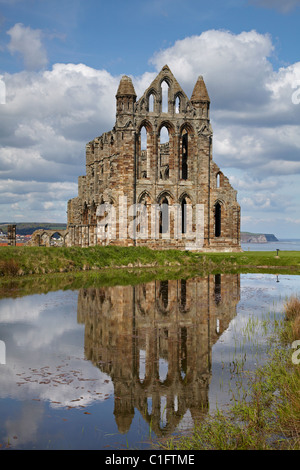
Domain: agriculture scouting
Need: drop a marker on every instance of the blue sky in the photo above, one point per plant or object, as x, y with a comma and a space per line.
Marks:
61, 62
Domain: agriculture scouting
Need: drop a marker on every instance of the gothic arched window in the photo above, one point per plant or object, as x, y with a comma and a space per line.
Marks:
177, 105
151, 103
165, 97
164, 216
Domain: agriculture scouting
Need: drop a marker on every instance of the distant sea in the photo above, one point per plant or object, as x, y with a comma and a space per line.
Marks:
283, 245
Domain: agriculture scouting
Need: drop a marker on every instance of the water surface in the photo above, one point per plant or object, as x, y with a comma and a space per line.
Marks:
282, 245
114, 367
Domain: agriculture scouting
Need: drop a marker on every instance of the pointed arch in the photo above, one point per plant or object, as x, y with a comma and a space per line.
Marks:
151, 99
56, 239
144, 197
147, 124
167, 194
179, 102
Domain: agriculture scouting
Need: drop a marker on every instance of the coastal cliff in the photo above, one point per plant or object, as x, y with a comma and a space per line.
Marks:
247, 237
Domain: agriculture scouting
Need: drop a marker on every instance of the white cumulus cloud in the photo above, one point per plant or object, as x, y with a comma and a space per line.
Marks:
28, 43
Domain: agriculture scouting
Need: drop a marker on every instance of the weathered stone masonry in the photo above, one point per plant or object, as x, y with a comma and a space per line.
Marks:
158, 155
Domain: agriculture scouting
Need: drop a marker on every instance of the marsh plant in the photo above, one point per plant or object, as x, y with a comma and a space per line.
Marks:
265, 410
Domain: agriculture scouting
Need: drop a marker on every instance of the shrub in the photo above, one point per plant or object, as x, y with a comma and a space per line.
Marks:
9, 267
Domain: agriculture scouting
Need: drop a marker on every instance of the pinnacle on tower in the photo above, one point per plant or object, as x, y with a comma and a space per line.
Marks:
126, 87
200, 91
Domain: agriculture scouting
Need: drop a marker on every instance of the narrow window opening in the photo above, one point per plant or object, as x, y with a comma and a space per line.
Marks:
218, 180
164, 153
143, 138
218, 220
164, 135
177, 105
184, 167
183, 216
151, 103
165, 97
164, 216
143, 163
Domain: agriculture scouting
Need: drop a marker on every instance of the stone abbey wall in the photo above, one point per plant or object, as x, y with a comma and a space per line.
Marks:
151, 180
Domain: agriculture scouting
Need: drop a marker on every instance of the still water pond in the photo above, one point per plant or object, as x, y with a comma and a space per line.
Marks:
114, 367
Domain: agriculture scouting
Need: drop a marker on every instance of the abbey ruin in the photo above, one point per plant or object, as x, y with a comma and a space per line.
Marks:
151, 181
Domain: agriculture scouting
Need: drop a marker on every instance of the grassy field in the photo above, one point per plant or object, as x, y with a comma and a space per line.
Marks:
17, 261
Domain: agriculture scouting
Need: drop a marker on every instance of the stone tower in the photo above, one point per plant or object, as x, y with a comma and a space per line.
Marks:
151, 180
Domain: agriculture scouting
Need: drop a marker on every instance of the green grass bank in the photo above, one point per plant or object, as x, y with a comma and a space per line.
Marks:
20, 261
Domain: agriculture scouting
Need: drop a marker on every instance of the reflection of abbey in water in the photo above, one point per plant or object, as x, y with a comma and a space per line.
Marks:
155, 341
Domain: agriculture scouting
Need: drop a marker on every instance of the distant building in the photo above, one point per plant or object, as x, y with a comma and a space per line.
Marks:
151, 181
